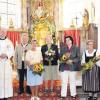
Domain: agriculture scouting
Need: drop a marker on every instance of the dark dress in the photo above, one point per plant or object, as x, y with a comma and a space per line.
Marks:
90, 78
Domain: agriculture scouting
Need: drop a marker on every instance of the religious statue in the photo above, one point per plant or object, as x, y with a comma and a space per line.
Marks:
39, 12
42, 23
11, 26
86, 19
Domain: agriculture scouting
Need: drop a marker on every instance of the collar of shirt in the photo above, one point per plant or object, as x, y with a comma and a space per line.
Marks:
24, 45
3, 38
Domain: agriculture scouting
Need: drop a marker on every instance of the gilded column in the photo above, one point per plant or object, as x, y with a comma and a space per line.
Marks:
24, 15
60, 27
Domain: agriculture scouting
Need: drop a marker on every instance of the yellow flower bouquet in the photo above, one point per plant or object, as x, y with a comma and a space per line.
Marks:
37, 68
65, 57
89, 65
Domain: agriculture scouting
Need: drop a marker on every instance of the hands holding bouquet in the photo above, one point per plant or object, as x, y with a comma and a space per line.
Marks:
37, 68
66, 58
89, 65
49, 55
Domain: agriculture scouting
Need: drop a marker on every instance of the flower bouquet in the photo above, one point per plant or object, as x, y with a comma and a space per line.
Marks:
49, 56
65, 57
37, 68
89, 65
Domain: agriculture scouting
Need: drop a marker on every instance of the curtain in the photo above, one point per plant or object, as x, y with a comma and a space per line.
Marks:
75, 34
14, 36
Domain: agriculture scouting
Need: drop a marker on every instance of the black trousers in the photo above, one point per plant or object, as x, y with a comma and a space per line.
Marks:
23, 73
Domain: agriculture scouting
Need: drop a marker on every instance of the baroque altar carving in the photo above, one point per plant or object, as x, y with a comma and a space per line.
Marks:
42, 19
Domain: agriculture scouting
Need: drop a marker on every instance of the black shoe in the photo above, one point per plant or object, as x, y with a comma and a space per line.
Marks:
4, 99
90, 98
62, 98
20, 92
28, 90
95, 98
73, 98
46, 90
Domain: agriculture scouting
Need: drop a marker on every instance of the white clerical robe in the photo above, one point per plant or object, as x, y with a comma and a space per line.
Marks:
6, 86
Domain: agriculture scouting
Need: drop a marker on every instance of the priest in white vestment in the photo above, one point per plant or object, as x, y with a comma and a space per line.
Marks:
6, 52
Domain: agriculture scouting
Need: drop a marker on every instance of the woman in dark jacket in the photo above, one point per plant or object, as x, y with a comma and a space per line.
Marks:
68, 69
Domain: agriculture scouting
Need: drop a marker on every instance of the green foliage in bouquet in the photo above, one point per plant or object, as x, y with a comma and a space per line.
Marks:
50, 55
89, 65
37, 68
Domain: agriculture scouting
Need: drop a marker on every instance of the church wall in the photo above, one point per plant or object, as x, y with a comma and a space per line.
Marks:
99, 37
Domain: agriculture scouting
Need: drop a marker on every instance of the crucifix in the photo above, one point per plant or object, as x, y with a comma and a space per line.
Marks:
76, 18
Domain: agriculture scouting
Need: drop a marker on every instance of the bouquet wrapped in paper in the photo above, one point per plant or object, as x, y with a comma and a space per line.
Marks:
37, 68
89, 65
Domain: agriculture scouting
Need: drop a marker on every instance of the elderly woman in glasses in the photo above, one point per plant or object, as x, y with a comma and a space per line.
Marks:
91, 77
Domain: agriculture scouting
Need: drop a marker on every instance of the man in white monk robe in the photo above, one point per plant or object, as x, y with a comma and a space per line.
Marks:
6, 52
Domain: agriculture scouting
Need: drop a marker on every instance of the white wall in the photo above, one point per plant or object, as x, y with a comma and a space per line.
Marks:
99, 37
97, 19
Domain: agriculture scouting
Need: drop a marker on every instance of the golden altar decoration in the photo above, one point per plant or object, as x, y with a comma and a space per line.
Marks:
86, 19
42, 21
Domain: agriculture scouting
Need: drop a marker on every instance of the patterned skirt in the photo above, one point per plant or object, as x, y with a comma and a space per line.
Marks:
91, 80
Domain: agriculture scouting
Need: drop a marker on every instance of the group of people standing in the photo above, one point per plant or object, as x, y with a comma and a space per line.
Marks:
25, 55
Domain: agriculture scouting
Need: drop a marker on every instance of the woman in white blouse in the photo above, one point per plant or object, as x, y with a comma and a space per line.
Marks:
91, 78
33, 56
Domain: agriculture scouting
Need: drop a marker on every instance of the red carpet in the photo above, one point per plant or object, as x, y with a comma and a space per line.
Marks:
49, 96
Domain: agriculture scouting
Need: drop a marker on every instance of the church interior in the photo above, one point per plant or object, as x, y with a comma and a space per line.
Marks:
79, 19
